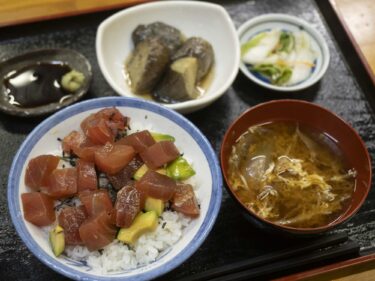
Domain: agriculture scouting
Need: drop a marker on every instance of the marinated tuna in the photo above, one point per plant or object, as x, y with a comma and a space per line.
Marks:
86, 178
97, 231
160, 154
70, 219
62, 183
38, 208
184, 201
127, 206
111, 158
96, 202
39, 169
139, 141
124, 176
156, 185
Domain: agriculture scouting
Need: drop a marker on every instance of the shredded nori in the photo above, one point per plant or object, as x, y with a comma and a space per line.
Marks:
65, 202
121, 134
59, 139
164, 224
72, 159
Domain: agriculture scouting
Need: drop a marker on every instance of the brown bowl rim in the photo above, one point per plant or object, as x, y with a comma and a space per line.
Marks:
306, 230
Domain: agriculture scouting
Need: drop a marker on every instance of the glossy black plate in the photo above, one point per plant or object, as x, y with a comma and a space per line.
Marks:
72, 58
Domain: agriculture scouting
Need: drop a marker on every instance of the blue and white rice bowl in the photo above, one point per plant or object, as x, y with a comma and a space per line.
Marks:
290, 23
190, 141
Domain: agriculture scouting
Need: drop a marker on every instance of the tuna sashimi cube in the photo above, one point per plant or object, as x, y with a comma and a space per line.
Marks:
86, 176
184, 201
111, 158
96, 202
39, 169
139, 141
127, 206
159, 154
125, 175
156, 185
62, 183
38, 208
97, 231
70, 219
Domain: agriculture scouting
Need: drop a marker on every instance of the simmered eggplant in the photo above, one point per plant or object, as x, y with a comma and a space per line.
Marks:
199, 48
179, 82
147, 64
171, 37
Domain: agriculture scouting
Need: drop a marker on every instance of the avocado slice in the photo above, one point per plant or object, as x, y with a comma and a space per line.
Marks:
143, 222
143, 169
180, 169
153, 204
57, 240
162, 137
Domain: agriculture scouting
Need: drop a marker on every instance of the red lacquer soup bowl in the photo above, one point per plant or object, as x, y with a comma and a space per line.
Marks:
320, 119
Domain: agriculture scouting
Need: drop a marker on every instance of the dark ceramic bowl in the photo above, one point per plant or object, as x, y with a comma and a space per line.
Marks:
73, 58
323, 120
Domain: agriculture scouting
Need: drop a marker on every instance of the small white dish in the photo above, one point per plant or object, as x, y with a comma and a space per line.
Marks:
206, 20
143, 114
290, 23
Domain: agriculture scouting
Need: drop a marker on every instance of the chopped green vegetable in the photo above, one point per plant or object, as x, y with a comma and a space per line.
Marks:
57, 240
286, 42
277, 74
180, 169
153, 204
252, 42
162, 137
143, 222
72, 80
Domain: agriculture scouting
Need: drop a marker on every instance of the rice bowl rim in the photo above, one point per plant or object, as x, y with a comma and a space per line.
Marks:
98, 103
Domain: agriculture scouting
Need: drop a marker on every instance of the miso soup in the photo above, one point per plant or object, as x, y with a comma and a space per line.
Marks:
291, 174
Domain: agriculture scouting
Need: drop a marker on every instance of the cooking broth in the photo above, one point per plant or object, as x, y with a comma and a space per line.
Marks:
290, 174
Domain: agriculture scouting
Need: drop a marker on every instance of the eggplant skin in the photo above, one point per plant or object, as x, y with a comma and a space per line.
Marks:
170, 36
179, 83
147, 64
199, 48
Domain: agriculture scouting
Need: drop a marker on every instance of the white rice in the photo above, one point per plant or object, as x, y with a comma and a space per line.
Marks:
119, 257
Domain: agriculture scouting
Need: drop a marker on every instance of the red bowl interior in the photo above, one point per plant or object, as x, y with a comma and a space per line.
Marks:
316, 117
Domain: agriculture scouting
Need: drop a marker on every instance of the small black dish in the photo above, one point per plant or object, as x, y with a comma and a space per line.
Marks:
71, 58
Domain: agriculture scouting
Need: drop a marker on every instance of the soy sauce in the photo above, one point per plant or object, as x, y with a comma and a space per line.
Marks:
36, 84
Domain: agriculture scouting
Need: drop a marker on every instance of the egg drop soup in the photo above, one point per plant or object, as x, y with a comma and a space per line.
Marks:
291, 175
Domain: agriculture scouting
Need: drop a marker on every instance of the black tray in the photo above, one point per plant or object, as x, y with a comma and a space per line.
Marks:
232, 237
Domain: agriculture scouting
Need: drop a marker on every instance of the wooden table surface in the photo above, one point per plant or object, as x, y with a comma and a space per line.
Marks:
359, 19
24, 11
